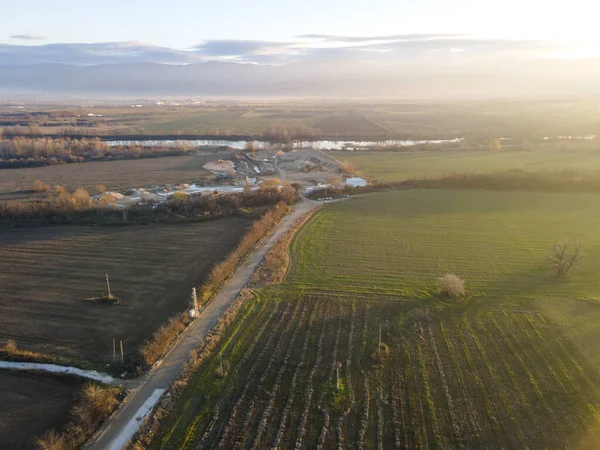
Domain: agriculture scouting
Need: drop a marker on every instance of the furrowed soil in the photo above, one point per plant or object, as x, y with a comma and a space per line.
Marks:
115, 175
50, 276
514, 365
348, 123
30, 404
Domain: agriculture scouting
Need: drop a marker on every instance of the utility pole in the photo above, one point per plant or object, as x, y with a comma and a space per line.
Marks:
379, 346
337, 372
221, 359
122, 354
107, 284
114, 349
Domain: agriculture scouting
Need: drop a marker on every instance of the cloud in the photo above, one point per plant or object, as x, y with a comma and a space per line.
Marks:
235, 47
28, 37
394, 37
388, 50
92, 54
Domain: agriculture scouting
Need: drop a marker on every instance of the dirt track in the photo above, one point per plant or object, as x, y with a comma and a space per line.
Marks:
116, 431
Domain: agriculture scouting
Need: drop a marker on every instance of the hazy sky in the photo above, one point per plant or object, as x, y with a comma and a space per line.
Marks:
185, 23
423, 32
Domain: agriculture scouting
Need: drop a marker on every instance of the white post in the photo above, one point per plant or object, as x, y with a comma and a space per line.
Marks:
194, 299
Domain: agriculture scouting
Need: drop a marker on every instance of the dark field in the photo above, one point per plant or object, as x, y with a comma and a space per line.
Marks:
31, 404
347, 124
115, 175
48, 275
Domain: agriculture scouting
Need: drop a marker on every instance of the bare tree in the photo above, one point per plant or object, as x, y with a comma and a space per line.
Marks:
564, 257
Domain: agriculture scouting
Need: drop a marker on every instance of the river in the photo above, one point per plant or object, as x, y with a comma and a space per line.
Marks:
317, 145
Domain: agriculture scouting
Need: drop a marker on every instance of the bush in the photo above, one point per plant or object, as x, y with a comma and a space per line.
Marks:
153, 349
179, 196
100, 188
11, 347
95, 405
40, 186
451, 286
380, 355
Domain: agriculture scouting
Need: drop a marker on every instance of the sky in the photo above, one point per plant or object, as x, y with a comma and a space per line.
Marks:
276, 31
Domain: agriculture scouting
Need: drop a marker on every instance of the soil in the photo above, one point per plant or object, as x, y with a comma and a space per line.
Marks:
348, 123
50, 279
115, 175
30, 404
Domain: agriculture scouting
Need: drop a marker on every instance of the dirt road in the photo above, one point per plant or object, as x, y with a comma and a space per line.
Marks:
117, 432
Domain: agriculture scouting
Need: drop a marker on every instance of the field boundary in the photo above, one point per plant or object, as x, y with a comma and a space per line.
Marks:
164, 375
59, 370
292, 238
205, 305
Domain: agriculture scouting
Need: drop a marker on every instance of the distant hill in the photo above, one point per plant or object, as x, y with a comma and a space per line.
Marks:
544, 78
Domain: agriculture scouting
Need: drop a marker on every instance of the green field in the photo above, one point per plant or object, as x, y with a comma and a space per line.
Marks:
400, 166
395, 244
225, 121
513, 366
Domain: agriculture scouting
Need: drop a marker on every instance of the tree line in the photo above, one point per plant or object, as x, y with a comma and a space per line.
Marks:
62, 207
34, 152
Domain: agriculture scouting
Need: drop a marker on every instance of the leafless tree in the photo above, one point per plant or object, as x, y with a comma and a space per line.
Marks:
564, 257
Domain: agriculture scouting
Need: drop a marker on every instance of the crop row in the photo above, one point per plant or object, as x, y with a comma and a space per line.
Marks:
475, 380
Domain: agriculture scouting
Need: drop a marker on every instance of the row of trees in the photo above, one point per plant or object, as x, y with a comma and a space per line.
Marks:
76, 207
32, 152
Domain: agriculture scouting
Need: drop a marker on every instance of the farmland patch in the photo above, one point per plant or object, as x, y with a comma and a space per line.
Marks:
498, 370
347, 124
50, 276
30, 404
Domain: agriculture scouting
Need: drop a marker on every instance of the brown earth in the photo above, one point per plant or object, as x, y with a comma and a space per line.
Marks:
31, 404
115, 175
348, 123
48, 277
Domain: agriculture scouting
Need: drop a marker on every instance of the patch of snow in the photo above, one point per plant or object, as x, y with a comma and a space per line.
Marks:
53, 368
136, 421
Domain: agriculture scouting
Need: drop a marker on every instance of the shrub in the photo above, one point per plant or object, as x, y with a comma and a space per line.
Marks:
153, 349
96, 403
100, 188
40, 186
11, 346
179, 196
52, 441
451, 286
59, 190
108, 199
380, 355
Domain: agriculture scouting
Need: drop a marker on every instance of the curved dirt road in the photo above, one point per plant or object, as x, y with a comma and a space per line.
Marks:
118, 430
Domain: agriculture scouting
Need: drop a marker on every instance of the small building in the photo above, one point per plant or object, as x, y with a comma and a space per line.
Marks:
355, 182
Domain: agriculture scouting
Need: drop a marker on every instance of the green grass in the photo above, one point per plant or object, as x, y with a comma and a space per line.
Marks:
516, 366
397, 243
399, 166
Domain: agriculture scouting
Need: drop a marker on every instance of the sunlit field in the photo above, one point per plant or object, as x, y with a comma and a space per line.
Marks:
400, 165
511, 366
